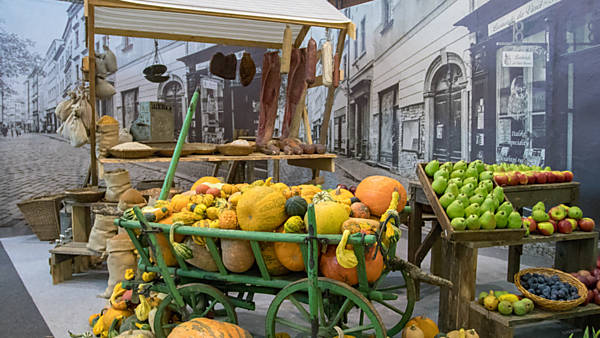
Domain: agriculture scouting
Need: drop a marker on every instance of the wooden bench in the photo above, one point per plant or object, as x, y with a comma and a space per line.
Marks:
492, 324
69, 258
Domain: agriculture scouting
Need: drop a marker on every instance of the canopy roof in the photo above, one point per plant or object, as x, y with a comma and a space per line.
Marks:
257, 23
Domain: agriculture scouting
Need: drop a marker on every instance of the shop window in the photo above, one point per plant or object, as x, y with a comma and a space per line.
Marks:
386, 14
362, 36
130, 106
583, 31
521, 104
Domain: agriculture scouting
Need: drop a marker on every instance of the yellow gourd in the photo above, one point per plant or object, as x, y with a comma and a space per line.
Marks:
427, 326
412, 331
294, 224
228, 220
261, 209
179, 202
329, 217
143, 309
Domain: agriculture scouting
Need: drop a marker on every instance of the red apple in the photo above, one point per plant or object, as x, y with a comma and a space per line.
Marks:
522, 178
568, 176
554, 223
501, 179
528, 221
559, 176
582, 279
591, 281
546, 228
202, 188
540, 177
214, 191
589, 298
565, 227
586, 224
513, 178
530, 177
573, 223
584, 273
550, 178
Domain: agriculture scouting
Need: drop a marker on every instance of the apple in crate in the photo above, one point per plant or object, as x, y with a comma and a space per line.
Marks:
540, 177
586, 224
501, 179
550, 178
568, 176
565, 227
546, 228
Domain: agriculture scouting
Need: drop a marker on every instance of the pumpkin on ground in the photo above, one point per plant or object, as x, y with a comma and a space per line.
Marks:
296, 206
329, 217
261, 209
237, 255
205, 179
428, 326
208, 328
275, 267
376, 193
289, 254
412, 331
329, 266
360, 210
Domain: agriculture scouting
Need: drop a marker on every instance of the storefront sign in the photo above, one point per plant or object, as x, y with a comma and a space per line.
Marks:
519, 14
517, 59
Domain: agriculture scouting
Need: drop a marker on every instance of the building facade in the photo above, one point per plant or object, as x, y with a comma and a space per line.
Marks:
50, 92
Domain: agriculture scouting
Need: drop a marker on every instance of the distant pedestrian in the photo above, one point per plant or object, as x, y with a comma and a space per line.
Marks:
12, 132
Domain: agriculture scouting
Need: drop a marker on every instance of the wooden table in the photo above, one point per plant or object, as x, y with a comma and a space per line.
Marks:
245, 164
491, 324
551, 193
574, 251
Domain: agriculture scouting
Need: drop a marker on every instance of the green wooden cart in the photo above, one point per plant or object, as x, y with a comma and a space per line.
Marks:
304, 302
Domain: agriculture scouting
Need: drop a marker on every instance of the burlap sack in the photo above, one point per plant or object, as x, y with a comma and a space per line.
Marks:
104, 90
107, 137
125, 136
102, 230
76, 130
110, 60
63, 109
101, 69
84, 110
120, 258
117, 181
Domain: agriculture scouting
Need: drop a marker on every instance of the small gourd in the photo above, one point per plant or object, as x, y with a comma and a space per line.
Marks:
294, 224
412, 331
296, 206
228, 220
322, 196
428, 326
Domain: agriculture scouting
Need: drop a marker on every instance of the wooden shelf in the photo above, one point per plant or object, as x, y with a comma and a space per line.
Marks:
574, 236
220, 158
73, 249
493, 324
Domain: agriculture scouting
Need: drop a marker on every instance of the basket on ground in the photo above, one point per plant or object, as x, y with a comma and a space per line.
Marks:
42, 214
553, 305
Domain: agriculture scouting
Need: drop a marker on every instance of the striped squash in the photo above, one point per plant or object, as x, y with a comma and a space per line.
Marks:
207, 328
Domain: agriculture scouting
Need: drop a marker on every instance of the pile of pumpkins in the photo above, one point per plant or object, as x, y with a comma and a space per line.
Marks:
275, 207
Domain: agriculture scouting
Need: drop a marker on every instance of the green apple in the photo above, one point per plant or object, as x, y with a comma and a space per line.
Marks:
487, 220
455, 209
539, 215
575, 213
501, 219
507, 207
473, 223
446, 199
472, 209
458, 223
432, 167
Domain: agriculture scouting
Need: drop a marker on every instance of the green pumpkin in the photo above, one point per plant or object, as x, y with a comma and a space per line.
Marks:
322, 196
296, 206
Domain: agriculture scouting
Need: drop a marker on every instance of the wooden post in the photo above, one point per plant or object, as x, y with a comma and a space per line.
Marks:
81, 223
514, 262
414, 236
276, 170
89, 11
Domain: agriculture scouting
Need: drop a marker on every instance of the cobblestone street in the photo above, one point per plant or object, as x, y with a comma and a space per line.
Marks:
41, 164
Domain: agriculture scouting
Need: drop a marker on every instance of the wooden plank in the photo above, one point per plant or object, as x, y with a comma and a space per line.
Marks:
216, 168
417, 193
231, 172
301, 35
552, 194
307, 129
81, 223
326, 164
218, 158
415, 225
73, 249
276, 170
514, 262
465, 235
249, 171
537, 315
572, 256
424, 248
436, 254
574, 236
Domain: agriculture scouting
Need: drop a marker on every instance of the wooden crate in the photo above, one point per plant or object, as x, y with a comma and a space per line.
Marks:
464, 235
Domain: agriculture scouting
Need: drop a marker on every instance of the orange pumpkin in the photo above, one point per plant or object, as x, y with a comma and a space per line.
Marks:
359, 210
329, 266
289, 255
165, 249
169, 220
207, 328
205, 179
428, 326
376, 193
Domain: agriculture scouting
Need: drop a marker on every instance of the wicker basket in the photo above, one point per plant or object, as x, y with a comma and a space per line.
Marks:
553, 305
234, 149
42, 215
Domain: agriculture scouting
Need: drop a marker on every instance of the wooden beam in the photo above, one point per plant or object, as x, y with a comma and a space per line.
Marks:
301, 36
129, 5
326, 164
180, 37
331, 92
92, 78
307, 129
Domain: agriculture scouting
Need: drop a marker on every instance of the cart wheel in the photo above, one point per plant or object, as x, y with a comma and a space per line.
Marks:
339, 305
201, 300
406, 312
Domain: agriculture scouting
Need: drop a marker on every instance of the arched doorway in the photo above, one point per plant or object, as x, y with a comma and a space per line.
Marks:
447, 111
172, 93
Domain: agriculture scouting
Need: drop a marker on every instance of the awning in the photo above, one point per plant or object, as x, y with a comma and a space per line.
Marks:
257, 23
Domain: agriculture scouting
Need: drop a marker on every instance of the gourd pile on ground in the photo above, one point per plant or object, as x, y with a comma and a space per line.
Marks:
506, 303
467, 193
423, 327
559, 219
